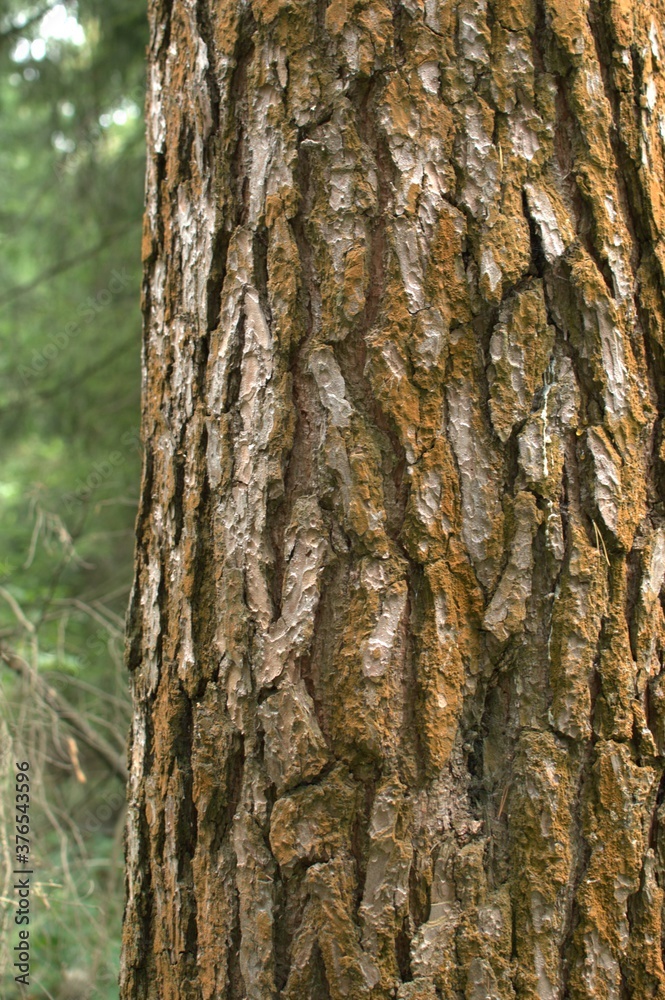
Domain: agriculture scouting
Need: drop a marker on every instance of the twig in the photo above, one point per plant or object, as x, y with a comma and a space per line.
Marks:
101, 607
503, 801
65, 711
18, 611
123, 703
39, 522
87, 609
599, 538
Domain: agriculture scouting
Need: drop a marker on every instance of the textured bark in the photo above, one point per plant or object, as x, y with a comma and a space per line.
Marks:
396, 637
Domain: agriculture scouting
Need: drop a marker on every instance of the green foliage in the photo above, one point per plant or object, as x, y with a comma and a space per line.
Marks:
72, 163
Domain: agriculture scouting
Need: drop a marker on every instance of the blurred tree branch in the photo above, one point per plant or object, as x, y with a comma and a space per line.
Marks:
63, 265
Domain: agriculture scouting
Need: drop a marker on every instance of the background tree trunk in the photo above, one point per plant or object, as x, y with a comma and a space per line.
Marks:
396, 640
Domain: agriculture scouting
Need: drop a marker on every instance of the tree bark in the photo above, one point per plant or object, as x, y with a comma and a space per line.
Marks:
396, 639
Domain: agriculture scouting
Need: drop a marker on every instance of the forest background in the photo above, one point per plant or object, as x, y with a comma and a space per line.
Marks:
71, 177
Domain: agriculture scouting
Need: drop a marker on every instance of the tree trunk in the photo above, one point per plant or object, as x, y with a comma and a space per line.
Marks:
396, 640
